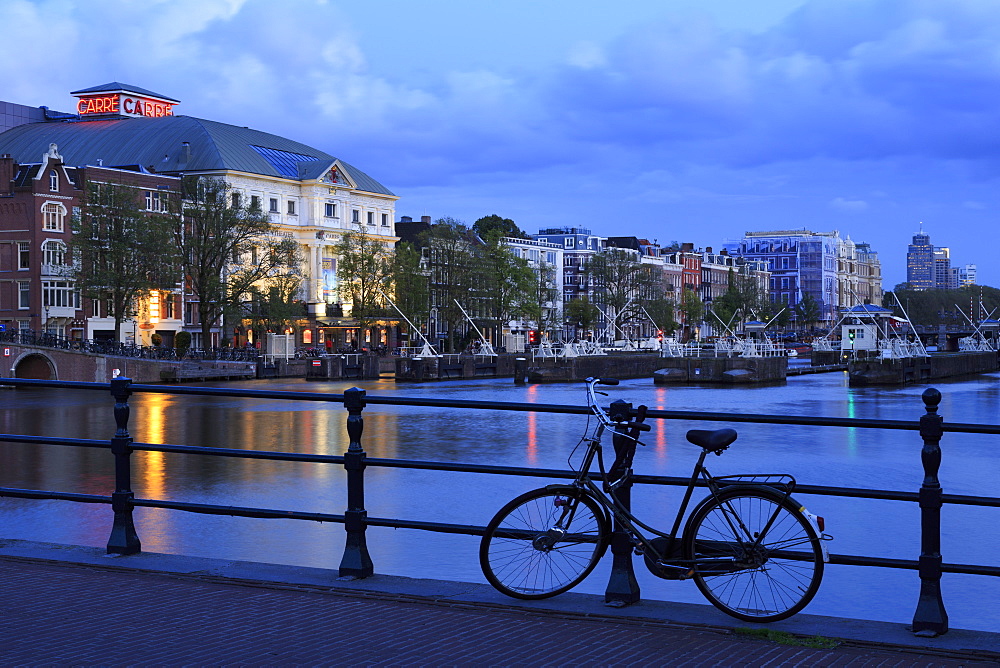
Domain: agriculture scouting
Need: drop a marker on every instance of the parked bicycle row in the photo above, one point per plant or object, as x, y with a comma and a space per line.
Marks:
49, 340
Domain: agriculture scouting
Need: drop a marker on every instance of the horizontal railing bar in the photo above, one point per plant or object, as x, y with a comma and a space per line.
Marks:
437, 527
862, 423
50, 440
239, 454
57, 496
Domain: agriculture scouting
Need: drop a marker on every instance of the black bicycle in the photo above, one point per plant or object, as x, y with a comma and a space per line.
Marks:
753, 551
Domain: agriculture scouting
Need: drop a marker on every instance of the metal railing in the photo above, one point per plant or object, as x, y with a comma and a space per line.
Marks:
930, 617
118, 349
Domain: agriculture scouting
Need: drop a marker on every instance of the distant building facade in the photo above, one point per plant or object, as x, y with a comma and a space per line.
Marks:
920, 263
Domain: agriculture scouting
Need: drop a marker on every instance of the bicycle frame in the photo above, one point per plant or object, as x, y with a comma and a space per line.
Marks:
668, 557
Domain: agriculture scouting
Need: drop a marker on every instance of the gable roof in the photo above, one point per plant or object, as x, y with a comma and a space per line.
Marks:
178, 144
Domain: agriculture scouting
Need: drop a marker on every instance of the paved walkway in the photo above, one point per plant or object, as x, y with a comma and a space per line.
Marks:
110, 614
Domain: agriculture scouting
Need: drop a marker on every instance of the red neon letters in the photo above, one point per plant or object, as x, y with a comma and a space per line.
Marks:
123, 104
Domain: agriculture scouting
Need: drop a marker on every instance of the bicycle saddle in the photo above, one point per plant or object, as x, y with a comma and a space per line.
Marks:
713, 441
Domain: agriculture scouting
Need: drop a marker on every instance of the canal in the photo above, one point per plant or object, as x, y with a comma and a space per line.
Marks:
814, 455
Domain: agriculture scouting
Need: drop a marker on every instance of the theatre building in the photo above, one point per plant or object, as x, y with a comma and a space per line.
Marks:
310, 195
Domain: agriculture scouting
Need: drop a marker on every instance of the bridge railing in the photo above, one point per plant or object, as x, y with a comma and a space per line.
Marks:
118, 349
930, 617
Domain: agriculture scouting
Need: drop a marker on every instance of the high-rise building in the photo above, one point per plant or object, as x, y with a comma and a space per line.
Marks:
920, 262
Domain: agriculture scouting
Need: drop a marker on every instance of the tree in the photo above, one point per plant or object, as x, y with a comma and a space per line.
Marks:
742, 301
120, 250
228, 247
494, 224
807, 310
364, 270
691, 307
581, 312
410, 285
454, 274
509, 284
272, 306
623, 284
661, 311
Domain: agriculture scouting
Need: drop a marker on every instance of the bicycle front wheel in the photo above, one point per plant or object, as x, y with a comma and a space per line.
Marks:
756, 555
543, 543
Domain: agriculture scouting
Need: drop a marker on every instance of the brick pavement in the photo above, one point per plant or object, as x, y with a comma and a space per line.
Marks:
54, 613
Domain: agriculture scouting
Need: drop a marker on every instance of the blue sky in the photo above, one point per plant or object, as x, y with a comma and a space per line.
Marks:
671, 120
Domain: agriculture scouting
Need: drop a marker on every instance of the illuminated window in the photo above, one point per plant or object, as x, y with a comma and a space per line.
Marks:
23, 255
307, 336
54, 181
54, 217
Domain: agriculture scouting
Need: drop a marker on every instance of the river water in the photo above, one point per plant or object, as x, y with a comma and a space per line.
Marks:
814, 455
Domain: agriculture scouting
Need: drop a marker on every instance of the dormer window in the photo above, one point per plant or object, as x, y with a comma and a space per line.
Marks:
53, 181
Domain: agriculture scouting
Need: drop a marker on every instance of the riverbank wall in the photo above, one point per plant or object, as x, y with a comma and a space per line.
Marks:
723, 370
919, 369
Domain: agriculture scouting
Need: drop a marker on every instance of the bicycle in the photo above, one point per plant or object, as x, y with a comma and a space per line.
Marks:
752, 550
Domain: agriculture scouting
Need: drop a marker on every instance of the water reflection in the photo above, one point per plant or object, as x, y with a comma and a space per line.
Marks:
835, 456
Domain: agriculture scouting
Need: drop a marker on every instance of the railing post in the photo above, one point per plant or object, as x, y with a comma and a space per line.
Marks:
124, 539
930, 618
356, 562
623, 589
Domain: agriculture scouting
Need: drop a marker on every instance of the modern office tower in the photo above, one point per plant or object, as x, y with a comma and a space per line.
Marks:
920, 263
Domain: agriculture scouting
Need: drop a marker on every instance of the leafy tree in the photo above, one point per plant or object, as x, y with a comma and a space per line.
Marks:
742, 301
937, 307
364, 270
692, 308
228, 246
272, 306
807, 311
581, 312
120, 250
411, 285
509, 284
661, 311
542, 309
494, 224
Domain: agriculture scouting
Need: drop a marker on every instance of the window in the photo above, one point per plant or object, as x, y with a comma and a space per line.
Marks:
568, 242
23, 295
236, 200
255, 202
54, 216
291, 207
60, 294
784, 263
355, 216
54, 181
274, 205
385, 220
54, 252
371, 218
23, 255
155, 201
331, 210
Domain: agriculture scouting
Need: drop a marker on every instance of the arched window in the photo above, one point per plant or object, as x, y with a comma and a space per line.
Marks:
53, 181
54, 216
54, 252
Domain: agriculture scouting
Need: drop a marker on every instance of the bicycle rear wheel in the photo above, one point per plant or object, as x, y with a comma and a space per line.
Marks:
543, 543
754, 577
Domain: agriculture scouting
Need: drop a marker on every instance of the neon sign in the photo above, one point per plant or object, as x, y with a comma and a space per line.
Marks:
122, 104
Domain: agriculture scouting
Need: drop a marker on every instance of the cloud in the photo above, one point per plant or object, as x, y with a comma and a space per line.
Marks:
848, 205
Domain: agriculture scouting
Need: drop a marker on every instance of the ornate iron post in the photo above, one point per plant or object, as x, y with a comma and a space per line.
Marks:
623, 589
356, 562
930, 618
124, 539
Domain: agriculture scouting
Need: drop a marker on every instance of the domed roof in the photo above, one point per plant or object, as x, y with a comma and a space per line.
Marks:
177, 144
